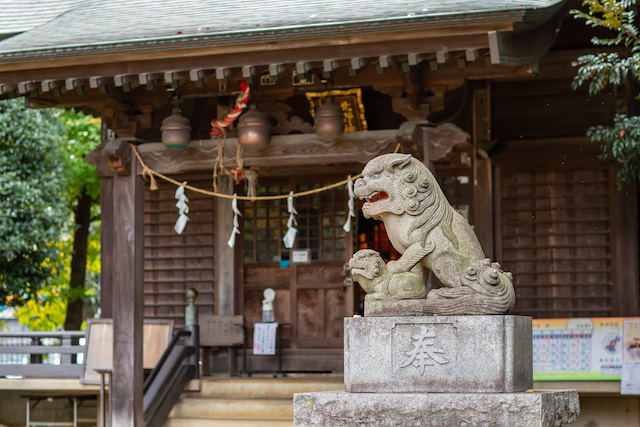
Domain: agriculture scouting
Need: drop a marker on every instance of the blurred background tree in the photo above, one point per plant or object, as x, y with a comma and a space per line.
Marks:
621, 141
49, 216
81, 277
33, 202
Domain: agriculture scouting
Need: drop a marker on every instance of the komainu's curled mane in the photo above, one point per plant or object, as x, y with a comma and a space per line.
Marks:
401, 191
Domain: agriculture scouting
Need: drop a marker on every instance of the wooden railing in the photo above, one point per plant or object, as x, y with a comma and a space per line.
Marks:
33, 346
178, 365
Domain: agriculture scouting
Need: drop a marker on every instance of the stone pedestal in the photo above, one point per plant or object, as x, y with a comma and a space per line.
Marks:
539, 408
438, 354
439, 371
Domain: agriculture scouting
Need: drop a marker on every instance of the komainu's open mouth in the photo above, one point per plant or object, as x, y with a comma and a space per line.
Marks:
376, 196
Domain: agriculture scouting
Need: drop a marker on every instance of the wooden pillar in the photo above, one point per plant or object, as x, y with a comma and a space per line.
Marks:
128, 223
225, 263
624, 294
106, 248
482, 199
482, 219
226, 259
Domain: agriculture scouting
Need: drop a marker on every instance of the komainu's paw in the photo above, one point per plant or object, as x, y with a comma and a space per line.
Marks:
375, 296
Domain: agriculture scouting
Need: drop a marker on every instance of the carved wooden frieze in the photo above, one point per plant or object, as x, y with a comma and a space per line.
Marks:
284, 150
444, 138
441, 140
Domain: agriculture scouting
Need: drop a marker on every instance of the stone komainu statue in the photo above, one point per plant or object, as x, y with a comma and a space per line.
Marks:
401, 191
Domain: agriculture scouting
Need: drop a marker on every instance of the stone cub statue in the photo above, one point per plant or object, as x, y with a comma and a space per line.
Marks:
368, 269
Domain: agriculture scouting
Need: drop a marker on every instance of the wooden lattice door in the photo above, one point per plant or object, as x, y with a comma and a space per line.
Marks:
311, 298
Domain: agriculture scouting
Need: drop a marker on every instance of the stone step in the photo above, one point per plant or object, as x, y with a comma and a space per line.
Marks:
233, 409
190, 422
250, 388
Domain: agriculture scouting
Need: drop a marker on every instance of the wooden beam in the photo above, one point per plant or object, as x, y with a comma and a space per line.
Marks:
328, 67
471, 55
77, 84
201, 77
26, 87
276, 71
54, 86
100, 83
357, 64
442, 57
7, 89
127, 82
222, 74
149, 79
284, 150
175, 78
248, 73
384, 62
128, 297
302, 68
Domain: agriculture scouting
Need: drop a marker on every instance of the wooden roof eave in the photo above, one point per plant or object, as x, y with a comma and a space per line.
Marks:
500, 38
109, 64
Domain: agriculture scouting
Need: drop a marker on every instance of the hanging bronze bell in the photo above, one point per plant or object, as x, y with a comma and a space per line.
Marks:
329, 120
176, 131
254, 129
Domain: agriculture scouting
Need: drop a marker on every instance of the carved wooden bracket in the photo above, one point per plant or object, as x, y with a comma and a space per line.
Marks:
95, 157
118, 155
441, 140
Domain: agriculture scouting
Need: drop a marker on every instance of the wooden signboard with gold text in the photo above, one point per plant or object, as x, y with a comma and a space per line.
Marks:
349, 100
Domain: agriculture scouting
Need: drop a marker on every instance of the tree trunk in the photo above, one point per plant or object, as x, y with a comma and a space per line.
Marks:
73, 321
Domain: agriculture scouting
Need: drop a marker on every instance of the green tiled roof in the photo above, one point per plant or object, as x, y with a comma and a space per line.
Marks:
88, 27
17, 16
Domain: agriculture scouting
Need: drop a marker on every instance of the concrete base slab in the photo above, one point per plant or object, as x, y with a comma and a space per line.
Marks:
540, 408
438, 354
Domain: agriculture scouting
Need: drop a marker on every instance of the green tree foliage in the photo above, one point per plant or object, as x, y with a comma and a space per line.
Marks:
83, 189
82, 136
622, 141
33, 203
73, 290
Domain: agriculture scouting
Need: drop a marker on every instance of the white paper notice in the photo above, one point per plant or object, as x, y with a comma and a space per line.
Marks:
264, 338
630, 383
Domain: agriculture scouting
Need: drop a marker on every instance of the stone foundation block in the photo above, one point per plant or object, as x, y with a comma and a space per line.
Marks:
438, 354
541, 408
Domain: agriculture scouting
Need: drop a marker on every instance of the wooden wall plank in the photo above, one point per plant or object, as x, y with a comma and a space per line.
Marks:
555, 237
625, 290
176, 262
